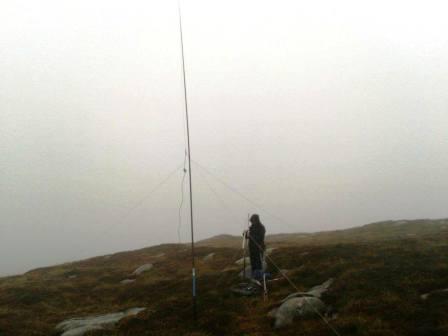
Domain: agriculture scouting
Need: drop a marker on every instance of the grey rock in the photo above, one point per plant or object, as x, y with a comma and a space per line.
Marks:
297, 307
142, 269
241, 261
79, 326
81, 330
300, 304
425, 296
127, 281
284, 271
248, 271
316, 291
438, 291
269, 251
209, 257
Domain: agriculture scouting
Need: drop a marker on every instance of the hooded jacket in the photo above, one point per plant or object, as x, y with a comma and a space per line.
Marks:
256, 234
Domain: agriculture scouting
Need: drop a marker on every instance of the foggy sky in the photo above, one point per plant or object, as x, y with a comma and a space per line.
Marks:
328, 114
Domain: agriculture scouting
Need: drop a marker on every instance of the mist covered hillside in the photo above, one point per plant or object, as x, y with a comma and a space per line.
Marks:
388, 278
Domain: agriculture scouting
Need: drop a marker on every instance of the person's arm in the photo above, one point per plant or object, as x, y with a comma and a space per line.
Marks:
263, 233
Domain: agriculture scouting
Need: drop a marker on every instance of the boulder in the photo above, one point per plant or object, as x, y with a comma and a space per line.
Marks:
303, 307
80, 326
300, 304
316, 291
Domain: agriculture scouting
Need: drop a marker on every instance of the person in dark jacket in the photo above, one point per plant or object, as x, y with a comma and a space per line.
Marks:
256, 246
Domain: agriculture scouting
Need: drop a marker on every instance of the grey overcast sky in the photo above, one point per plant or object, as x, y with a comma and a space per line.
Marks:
329, 114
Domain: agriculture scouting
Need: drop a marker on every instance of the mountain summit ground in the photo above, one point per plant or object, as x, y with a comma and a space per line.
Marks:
389, 279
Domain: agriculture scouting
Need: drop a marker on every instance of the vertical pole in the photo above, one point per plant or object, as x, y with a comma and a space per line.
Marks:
244, 253
246, 240
193, 266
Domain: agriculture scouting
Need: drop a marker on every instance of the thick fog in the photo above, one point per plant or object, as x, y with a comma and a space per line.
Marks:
324, 114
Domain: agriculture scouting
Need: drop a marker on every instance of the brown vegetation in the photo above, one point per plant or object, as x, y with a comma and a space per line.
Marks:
380, 272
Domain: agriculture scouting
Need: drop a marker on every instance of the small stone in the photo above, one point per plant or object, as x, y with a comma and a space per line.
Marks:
127, 281
425, 296
438, 291
142, 269
270, 250
209, 257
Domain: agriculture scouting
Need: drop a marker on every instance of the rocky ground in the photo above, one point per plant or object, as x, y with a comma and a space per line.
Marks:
388, 279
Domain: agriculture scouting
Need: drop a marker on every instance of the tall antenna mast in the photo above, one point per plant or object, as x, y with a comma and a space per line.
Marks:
193, 266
